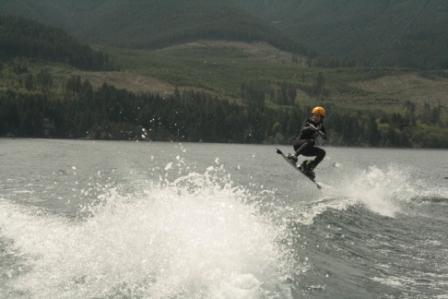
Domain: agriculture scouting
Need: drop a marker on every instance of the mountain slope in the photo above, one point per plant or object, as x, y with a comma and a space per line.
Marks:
145, 24
21, 37
396, 33
405, 33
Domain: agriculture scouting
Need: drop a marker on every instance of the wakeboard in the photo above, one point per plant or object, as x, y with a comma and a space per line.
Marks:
297, 168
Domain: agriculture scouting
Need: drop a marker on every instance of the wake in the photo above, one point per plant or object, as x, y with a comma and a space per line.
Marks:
386, 192
196, 237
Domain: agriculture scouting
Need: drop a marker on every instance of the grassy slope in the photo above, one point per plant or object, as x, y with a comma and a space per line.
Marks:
218, 67
221, 68
60, 73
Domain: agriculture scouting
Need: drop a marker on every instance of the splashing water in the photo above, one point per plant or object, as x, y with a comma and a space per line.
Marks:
380, 191
188, 235
196, 237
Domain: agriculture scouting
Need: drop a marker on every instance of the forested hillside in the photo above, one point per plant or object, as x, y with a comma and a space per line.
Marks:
150, 24
109, 113
20, 37
409, 33
216, 91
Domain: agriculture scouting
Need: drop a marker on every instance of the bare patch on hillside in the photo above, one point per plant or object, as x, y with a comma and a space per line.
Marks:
411, 86
130, 81
141, 84
256, 50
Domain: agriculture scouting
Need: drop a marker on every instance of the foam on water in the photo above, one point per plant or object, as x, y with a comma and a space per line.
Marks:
382, 191
196, 237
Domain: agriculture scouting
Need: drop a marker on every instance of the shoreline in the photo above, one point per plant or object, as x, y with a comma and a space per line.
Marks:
216, 143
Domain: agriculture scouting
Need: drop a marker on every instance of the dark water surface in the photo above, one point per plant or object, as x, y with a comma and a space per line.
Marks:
84, 219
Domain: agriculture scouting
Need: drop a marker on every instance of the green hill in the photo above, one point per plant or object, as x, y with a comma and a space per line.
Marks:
215, 72
409, 33
149, 24
20, 37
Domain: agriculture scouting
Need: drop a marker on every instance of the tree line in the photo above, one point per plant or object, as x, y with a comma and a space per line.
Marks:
109, 113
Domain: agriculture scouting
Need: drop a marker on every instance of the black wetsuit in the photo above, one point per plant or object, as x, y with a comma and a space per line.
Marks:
304, 144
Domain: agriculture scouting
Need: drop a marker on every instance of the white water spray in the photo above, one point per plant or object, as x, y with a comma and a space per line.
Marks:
197, 237
382, 191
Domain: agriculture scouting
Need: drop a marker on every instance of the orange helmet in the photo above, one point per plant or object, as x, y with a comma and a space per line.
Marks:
319, 111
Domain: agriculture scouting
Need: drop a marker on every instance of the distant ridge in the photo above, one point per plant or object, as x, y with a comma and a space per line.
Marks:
409, 33
20, 37
406, 33
153, 24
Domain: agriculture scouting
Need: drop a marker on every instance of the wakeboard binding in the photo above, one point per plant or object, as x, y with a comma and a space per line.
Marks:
307, 168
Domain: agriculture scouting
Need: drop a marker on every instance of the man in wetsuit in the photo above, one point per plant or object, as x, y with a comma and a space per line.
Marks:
304, 144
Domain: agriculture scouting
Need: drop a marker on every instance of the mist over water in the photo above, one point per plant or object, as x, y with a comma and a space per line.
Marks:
127, 220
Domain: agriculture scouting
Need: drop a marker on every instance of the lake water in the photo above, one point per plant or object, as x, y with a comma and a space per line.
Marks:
85, 219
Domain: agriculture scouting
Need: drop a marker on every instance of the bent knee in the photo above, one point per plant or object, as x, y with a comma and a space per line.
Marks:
322, 153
